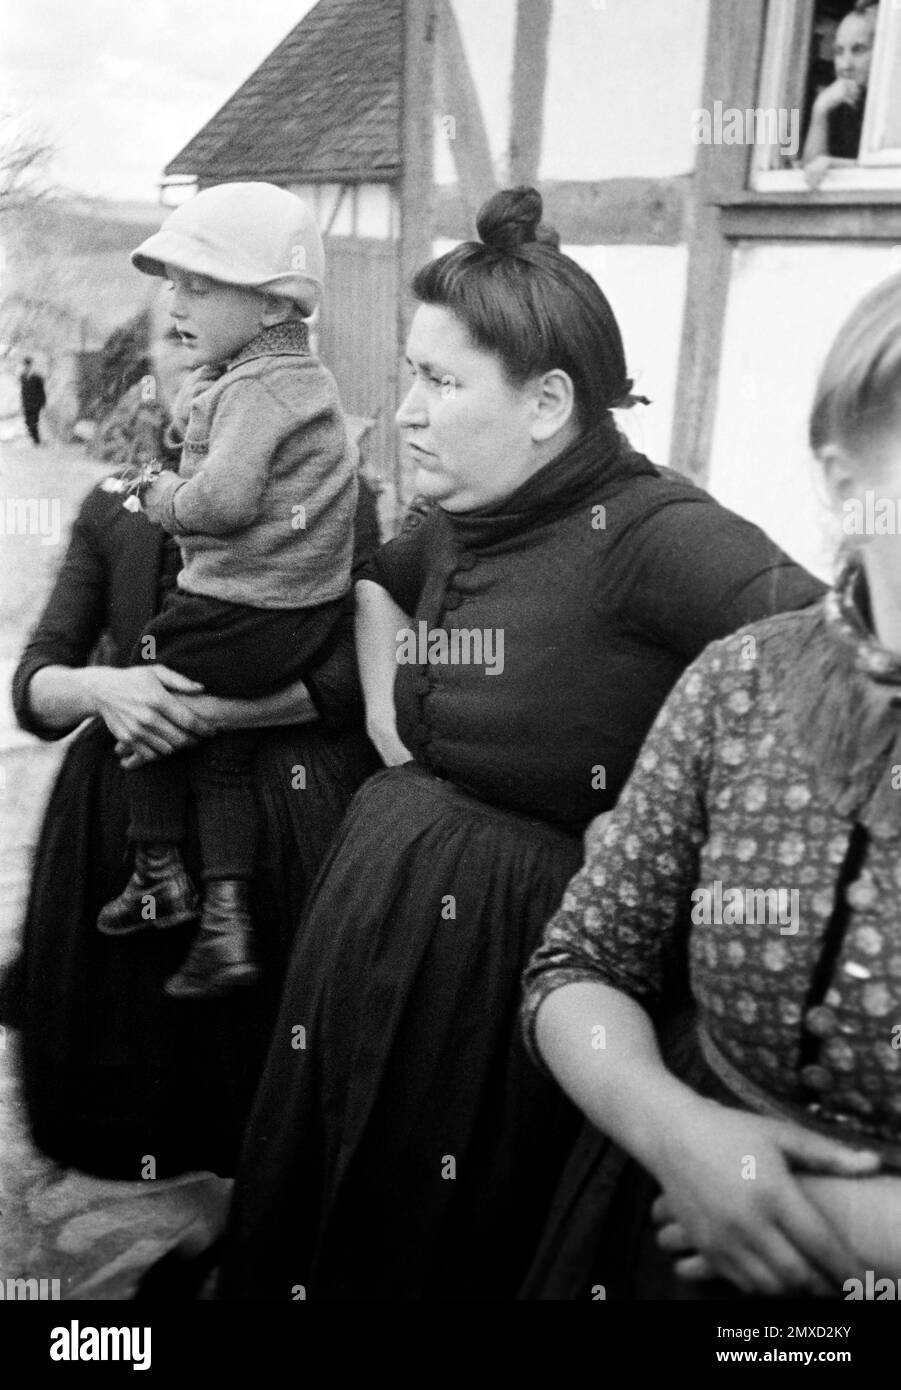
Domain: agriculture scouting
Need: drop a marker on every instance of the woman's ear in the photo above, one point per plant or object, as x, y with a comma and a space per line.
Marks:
842, 478
554, 404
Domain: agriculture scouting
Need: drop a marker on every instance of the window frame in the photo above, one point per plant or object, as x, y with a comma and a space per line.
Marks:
788, 27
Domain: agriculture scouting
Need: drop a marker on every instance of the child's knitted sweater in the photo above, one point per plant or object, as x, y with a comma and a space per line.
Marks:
264, 500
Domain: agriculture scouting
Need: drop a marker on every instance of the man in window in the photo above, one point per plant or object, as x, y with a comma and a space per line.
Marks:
836, 120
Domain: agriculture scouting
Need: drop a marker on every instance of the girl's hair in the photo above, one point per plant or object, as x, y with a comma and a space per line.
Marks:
858, 394
532, 306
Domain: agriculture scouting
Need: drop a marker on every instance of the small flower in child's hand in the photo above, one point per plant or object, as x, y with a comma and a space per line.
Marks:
134, 482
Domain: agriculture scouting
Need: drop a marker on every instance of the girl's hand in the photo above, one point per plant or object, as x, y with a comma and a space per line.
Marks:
141, 708
731, 1199
867, 1210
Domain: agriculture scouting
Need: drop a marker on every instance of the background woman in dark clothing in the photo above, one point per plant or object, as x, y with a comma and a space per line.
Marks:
113, 1071
535, 620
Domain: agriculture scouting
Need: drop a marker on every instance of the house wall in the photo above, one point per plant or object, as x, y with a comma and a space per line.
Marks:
786, 302
623, 82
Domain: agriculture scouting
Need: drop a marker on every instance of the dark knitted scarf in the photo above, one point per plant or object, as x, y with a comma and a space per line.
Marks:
588, 470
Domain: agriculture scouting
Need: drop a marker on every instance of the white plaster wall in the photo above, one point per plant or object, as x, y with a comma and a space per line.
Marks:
624, 77
786, 303
367, 210
646, 289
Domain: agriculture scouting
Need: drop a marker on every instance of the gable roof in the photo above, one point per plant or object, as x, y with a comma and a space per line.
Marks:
325, 104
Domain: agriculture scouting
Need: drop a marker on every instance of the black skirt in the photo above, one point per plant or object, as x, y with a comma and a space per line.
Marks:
600, 1240
402, 1145
114, 1072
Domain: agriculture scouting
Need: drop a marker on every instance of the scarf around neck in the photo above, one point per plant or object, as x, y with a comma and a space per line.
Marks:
845, 696
587, 470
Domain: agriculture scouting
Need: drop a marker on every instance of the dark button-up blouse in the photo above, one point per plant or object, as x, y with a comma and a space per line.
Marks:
772, 770
603, 577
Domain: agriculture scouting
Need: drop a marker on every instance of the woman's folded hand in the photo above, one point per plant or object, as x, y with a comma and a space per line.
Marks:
733, 1208
148, 708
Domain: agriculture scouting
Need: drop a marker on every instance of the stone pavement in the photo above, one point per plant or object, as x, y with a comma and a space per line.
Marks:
95, 1236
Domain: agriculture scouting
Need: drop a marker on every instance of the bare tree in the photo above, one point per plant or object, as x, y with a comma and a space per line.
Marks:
25, 161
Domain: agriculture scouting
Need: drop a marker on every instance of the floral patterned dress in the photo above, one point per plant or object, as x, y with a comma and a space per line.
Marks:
758, 844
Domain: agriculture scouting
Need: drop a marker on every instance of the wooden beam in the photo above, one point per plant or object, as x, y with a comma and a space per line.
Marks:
460, 114
606, 212
865, 217
530, 60
734, 48
417, 193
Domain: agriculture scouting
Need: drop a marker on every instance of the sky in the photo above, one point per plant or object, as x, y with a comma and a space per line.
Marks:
119, 86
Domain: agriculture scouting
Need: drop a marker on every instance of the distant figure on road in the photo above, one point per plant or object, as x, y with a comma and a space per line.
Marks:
34, 398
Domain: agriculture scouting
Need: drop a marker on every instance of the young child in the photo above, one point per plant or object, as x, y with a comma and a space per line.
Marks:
263, 507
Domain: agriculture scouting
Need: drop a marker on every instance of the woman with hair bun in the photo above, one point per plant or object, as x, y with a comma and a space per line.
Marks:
515, 647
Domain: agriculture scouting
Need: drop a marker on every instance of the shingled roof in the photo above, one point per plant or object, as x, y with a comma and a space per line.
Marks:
325, 104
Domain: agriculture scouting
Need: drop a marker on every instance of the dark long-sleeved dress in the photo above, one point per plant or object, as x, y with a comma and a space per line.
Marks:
403, 1146
113, 1070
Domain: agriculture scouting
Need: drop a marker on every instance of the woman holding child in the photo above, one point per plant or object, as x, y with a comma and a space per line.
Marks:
114, 1071
773, 765
402, 1145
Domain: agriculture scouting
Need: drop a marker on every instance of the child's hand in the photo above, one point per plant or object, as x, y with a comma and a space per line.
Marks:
132, 483
156, 494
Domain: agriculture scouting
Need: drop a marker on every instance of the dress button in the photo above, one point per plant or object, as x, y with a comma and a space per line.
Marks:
816, 1077
856, 970
821, 1021
452, 601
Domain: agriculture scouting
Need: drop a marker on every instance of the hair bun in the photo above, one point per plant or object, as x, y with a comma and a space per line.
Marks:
512, 218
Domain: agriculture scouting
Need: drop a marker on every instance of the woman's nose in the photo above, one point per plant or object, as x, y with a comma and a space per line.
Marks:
412, 409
